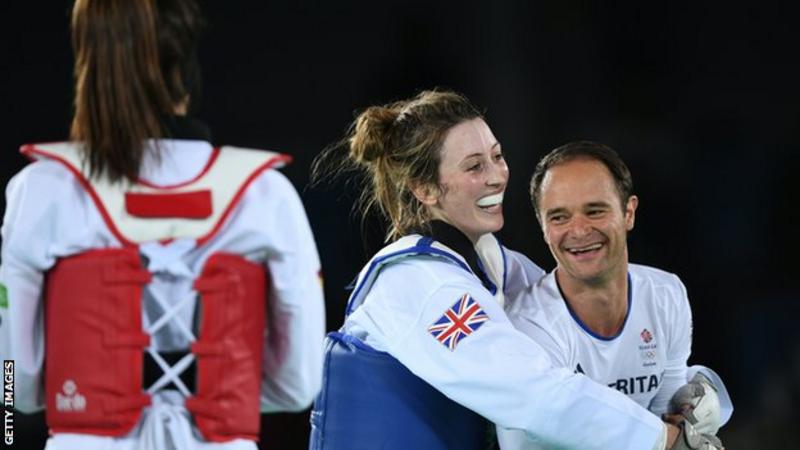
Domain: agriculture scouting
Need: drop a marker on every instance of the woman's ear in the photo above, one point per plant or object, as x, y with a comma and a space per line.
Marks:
427, 194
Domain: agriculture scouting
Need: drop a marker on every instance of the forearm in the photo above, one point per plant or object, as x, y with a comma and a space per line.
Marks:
519, 389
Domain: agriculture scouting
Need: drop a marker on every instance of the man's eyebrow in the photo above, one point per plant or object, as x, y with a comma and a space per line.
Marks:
599, 204
552, 211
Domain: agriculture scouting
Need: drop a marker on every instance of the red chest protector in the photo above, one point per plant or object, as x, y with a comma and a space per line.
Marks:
93, 306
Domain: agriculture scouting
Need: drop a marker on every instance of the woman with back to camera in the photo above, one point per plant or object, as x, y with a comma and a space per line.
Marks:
426, 351
170, 287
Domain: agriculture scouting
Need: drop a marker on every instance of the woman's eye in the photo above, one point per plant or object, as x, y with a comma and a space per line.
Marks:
474, 167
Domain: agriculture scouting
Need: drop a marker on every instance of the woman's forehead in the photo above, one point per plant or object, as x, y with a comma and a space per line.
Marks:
467, 139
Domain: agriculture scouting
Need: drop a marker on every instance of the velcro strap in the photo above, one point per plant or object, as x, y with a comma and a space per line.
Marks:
113, 339
212, 284
208, 348
116, 274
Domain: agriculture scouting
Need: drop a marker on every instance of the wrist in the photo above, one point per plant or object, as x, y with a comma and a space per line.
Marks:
671, 435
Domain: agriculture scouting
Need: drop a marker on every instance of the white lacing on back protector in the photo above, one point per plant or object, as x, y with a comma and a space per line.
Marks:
166, 425
168, 259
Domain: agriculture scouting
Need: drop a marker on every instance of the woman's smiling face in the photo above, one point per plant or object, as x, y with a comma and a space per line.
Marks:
472, 176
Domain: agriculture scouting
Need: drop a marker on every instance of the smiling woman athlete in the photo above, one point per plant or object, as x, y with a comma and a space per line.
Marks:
426, 353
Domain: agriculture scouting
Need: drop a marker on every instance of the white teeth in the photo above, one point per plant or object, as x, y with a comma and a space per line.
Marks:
491, 200
585, 249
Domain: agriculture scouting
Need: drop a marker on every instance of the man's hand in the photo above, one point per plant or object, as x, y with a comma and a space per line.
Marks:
697, 401
690, 439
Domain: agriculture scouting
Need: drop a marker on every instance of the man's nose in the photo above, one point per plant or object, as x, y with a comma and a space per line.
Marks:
580, 226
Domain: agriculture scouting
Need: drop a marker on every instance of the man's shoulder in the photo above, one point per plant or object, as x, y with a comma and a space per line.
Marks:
654, 276
659, 289
521, 274
542, 304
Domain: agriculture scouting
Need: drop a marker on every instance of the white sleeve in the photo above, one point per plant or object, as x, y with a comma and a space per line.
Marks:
504, 376
529, 323
296, 312
33, 199
679, 322
524, 320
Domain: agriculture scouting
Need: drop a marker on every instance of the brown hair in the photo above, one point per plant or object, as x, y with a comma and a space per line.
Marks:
398, 146
135, 61
583, 150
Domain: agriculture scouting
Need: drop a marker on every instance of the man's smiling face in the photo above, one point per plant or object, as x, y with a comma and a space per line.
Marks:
583, 221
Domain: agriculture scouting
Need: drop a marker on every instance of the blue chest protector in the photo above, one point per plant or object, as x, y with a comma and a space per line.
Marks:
370, 401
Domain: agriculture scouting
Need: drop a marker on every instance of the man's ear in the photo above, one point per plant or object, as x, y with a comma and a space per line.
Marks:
427, 194
630, 212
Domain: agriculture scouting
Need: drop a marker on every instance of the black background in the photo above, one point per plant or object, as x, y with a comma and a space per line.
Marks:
699, 98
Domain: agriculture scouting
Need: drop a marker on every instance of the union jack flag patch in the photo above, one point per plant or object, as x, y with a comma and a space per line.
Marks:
458, 322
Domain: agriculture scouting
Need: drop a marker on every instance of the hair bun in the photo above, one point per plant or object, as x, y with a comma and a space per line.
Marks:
370, 136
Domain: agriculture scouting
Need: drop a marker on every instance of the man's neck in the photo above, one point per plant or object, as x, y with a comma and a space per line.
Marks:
601, 306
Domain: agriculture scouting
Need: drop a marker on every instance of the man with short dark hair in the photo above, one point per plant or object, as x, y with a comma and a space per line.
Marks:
624, 325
